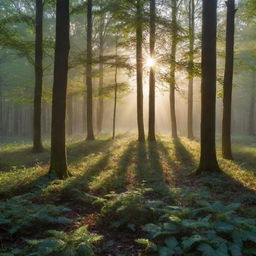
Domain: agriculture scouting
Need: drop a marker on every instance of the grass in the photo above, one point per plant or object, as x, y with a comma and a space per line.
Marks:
110, 166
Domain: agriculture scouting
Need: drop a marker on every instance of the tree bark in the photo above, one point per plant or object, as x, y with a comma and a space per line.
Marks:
90, 134
139, 67
173, 69
208, 159
37, 136
115, 95
100, 111
191, 67
228, 81
251, 127
58, 137
151, 121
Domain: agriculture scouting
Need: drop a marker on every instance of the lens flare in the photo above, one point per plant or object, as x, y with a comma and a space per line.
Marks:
150, 62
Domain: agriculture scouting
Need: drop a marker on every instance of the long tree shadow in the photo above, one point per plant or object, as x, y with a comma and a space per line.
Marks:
117, 178
214, 182
149, 169
182, 154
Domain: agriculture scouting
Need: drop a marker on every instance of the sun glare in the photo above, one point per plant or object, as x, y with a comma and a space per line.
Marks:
150, 62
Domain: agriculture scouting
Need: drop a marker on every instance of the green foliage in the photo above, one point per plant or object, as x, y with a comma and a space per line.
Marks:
211, 229
78, 243
20, 214
128, 209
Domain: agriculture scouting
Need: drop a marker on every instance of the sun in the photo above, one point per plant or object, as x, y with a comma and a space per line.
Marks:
150, 62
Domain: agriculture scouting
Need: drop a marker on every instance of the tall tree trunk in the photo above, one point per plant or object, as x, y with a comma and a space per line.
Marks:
208, 159
115, 95
101, 78
151, 121
191, 67
37, 137
174, 36
90, 134
70, 114
84, 113
228, 81
251, 128
139, 67
58, 137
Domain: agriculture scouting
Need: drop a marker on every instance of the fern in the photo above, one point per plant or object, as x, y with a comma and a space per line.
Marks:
19, 213
78, 243
211, 229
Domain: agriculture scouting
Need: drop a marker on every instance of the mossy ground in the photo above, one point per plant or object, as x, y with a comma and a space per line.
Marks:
105, 165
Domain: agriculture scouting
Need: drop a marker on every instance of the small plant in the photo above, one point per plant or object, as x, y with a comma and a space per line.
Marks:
212, 229
19, 213
129, 209
78, 243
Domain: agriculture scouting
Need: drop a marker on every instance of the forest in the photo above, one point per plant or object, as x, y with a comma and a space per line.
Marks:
127, 127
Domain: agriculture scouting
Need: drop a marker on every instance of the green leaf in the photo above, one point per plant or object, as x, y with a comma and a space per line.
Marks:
165, 251
189, 241
206, 250
171, 242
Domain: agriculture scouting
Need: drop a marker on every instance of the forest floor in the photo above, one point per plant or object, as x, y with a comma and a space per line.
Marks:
117, 187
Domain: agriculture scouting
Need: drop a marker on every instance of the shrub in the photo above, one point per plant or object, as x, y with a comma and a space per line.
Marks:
211, 229
19, 213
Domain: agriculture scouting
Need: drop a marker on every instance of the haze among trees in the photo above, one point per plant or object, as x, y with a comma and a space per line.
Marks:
127, 127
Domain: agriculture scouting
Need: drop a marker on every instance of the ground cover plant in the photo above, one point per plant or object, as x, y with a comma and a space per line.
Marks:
128, 198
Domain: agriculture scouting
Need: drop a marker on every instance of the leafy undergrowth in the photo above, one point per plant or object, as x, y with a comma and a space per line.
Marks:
127, 198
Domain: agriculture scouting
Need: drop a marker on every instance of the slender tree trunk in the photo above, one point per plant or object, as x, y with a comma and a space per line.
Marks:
37, 137
70, 114
90, 134
139, 67
101, 79
58, 137
115, 96
208, 159
191, 67
251, 128
228, 81
84, 113
173, 69
151, 121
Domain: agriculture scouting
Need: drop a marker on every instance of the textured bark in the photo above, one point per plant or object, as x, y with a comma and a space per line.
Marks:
208, 160
191, 67
173, 69
100, 111
90, 133
251, 127
115, 94
228, 81
58, 137
139, 68
151, 121
37, 137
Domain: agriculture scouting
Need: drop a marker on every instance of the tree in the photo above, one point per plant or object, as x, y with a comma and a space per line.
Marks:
191, 67
208, 159
151, 121
37, 140
251, 126
174, 38
115, 93
90, 134
58, 163
100, 109
228, 81
139, 70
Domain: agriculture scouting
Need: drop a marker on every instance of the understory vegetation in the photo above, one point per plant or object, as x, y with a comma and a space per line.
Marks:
128, 198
